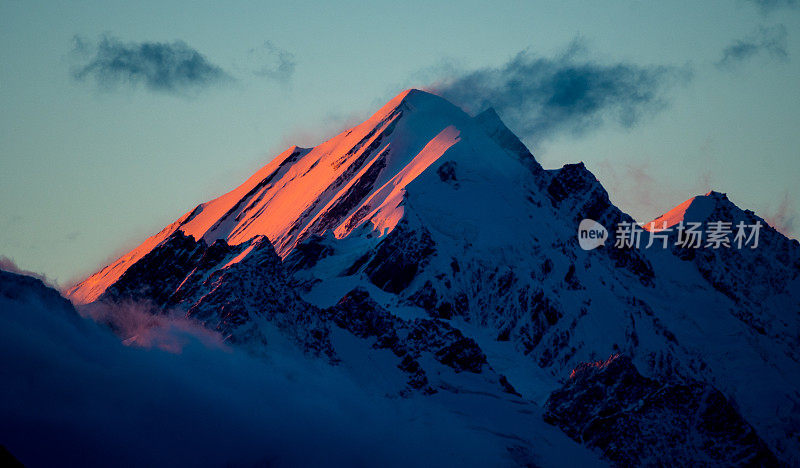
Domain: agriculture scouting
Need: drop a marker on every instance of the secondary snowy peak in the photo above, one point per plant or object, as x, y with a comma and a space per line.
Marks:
695, 209
357, 179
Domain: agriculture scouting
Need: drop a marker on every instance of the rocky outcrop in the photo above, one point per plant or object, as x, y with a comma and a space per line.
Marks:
638, 421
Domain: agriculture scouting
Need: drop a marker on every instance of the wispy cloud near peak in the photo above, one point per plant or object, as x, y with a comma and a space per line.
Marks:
766, 40
272, 62
161, 67
542, 97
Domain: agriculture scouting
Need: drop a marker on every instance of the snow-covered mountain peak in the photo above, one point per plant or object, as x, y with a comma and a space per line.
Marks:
357, 179
420, 103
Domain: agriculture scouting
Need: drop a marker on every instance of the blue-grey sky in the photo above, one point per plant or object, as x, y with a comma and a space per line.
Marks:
117, 117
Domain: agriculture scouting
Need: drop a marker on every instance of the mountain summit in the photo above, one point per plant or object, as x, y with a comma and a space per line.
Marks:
357, 178
428, 253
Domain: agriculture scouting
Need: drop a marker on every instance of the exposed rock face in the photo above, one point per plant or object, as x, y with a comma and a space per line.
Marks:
394, 263
233, 289
408, 340
635, 420
225, 287
159, 274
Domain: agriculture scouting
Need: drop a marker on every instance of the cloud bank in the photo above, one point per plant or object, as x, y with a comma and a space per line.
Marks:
172, 68
541, 97
8, 264
771, 41
768, 6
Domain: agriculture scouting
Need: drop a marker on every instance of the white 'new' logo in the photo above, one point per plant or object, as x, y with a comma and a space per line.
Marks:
591, 234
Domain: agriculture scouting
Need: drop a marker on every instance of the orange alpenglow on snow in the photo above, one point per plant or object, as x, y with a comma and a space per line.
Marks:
695, 209
355, 180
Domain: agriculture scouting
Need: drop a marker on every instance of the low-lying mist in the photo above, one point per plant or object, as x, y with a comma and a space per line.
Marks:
73, 394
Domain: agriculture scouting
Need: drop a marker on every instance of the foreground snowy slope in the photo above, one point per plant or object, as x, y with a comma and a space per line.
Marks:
73, 395
429, 247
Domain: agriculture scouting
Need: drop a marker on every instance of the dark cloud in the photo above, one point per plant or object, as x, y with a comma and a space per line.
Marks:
542, 97
768, 6
273, 63
771, 41
164, 67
